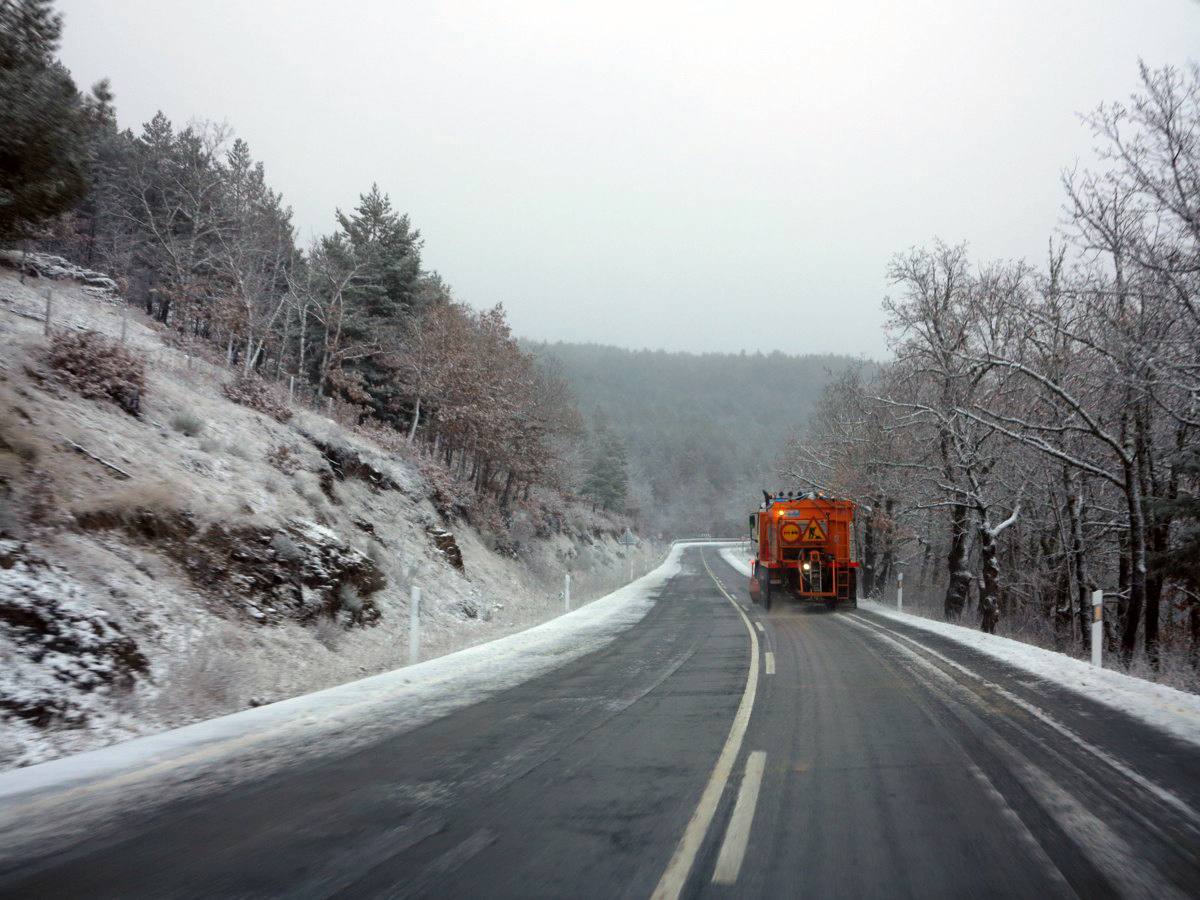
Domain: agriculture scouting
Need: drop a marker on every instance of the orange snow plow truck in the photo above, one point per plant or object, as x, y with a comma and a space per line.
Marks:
802, 549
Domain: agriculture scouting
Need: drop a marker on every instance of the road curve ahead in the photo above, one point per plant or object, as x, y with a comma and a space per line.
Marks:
710, 750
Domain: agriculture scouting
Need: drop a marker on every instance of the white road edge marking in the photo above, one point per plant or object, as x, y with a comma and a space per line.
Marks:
770, 662
675, 876
1107, 851
1037, 712
737, 832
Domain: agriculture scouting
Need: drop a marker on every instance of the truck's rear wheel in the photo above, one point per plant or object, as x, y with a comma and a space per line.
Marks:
852, 601
766, 590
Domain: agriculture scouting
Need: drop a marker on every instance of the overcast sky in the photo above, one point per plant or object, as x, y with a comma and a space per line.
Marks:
690, 176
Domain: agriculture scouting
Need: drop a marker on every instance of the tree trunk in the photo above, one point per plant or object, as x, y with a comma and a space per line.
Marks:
1137, 564
412, 431
989, 596
1083, 583
248, 363
283, 344
888, 552
956, 562
868, 569
303, 334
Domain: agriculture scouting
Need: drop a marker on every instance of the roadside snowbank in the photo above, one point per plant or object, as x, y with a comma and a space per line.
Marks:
1176, 712
736, 557
1173, 711
205, 754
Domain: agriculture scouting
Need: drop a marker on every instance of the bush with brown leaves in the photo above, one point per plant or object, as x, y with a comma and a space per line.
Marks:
285, 459
99, 368
251, 391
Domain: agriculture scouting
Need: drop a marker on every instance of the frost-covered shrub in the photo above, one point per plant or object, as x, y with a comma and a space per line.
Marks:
186, 423
451, 499
251, 391
99, 368
285, 459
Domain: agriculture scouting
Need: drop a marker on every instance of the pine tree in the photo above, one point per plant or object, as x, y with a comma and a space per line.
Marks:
385, 292
44, 122
607, 480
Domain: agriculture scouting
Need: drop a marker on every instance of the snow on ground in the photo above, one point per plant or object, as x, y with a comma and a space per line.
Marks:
207, 654
738, 557
1176, 712
196, 757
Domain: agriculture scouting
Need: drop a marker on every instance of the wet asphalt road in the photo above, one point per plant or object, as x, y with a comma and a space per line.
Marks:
877, 761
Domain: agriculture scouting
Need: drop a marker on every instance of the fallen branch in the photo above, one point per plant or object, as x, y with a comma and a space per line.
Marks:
104, 462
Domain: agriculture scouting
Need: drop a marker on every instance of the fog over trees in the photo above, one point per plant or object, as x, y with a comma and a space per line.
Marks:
1035, 437
186, 221
701, 431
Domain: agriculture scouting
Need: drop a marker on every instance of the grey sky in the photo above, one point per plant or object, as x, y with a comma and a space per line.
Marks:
689, 175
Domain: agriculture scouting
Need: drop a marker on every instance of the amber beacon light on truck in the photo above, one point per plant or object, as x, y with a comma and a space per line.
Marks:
802, 550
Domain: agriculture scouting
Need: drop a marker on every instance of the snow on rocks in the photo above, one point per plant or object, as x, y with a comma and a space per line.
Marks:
56, 645
346, 462
299, 570
446, 545
45, 265
194, 758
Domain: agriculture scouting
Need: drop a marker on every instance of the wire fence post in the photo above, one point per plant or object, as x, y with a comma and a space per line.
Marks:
900, 591
414, 626
567, 592
124, 322
1097, 628
49, 310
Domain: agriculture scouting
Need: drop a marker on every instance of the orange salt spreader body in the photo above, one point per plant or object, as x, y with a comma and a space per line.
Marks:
802, 549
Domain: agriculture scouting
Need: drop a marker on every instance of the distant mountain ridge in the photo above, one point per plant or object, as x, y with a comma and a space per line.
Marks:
702, 429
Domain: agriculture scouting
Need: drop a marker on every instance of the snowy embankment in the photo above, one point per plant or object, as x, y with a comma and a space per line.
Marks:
1173, 711
207, 754
736, 557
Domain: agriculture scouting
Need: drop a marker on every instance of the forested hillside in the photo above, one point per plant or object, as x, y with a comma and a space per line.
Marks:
186, 222
700, 432
1034, 440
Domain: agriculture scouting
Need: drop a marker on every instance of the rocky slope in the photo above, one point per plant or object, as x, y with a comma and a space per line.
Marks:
182, 555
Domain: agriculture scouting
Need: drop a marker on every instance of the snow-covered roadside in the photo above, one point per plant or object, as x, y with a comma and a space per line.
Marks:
736, 557
1176, 712
205, 754
1173, 711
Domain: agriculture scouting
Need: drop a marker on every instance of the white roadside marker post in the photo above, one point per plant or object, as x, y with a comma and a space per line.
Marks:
1097, 627
49, 311
900, 591
567, 593
414, 626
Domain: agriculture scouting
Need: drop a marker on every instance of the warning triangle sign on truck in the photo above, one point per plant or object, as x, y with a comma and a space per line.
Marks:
814, 531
